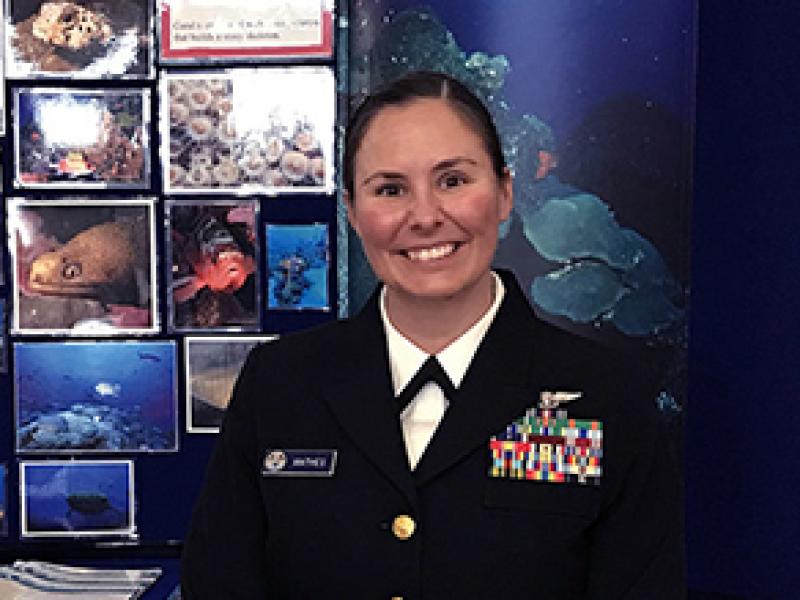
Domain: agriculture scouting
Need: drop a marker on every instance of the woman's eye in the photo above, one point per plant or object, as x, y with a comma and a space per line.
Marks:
452, 180
388, 189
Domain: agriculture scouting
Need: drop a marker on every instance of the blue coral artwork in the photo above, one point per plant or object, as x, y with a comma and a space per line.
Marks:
109, 397
595, 118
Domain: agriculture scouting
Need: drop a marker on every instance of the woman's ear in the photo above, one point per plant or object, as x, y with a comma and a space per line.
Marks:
506, 202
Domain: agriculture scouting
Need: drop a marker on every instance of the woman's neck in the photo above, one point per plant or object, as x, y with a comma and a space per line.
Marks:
435, 323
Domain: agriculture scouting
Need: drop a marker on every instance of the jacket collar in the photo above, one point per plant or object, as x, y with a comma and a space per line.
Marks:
496, 388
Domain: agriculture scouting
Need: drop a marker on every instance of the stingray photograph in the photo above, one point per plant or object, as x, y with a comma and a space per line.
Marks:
298, 263
212, 366
81, 138
93, 397
267, 130
213, 277
83, 267
76, 498
79, 39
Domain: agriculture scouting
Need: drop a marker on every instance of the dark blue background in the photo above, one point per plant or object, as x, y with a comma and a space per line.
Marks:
742, 473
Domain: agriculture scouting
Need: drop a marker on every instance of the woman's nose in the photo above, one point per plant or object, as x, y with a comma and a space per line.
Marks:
425, 208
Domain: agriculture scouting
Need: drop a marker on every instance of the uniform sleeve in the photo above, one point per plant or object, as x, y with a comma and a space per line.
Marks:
224, 552
637, 550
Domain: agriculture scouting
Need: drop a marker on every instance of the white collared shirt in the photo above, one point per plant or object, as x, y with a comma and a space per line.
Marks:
422, 416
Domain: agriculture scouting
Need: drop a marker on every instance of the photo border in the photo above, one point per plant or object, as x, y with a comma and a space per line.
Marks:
248, 189
168, 247
203, 55
175, 448
127, 532
38, 75
15, 203
267, 271
187, 340
147, 124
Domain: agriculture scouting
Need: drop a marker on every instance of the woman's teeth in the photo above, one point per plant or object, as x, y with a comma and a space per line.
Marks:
433, 253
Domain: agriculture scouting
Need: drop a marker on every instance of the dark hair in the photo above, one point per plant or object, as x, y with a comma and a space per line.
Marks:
413, 86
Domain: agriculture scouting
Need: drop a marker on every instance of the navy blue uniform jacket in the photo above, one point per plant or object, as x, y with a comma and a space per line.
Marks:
255, 537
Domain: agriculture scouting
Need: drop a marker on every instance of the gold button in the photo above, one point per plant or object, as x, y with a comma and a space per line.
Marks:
403, 527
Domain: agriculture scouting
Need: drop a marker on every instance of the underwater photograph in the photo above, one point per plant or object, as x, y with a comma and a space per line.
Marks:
242, 30
81, 39
298, 265
212, 367
84, 397
3, 499
70, 498
82, 139
83, 267
213, 279
265, 130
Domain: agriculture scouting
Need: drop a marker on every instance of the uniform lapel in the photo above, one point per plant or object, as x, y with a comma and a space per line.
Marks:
502, 382
359, 392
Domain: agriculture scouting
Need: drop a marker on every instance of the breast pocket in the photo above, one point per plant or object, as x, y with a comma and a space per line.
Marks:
573, 500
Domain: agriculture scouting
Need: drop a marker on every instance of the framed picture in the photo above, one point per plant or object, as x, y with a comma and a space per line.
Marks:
213, 277
212, 367
84, 397
244, 131
79, 39
77, 498
3, 499
81, 138
298, 263
233, 30
83, 267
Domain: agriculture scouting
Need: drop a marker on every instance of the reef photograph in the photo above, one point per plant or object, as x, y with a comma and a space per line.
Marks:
214, 273
224, 132
83, 268
95, 397
82, 38
298, 261
88, 498
212, 366
82, 139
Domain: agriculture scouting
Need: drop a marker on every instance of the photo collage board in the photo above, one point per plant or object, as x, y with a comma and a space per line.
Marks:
169, 203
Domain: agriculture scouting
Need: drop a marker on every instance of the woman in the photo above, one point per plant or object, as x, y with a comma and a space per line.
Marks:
331, 479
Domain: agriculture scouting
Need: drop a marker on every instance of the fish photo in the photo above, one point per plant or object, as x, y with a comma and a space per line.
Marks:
83, 267
79, 39
298, 261
85, 397
81, 138
268, 130
77, 498
3, 499
192, 32
212, 366
213, 277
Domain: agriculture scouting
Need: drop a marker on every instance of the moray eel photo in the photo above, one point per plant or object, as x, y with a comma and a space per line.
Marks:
99, 263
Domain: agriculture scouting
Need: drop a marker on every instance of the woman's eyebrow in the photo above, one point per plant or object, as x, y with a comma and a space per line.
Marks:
381, 175
452, 162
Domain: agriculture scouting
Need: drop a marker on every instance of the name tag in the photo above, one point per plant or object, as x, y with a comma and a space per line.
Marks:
298, 463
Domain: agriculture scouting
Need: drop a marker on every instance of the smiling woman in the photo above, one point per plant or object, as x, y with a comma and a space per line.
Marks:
428, 452
426, 203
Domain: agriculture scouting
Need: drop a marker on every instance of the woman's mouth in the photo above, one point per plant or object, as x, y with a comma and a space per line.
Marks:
432, 252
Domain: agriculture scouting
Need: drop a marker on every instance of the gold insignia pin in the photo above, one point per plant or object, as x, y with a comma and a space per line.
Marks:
550, 400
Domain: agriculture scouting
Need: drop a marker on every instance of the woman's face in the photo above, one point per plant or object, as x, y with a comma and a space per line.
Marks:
427, 202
